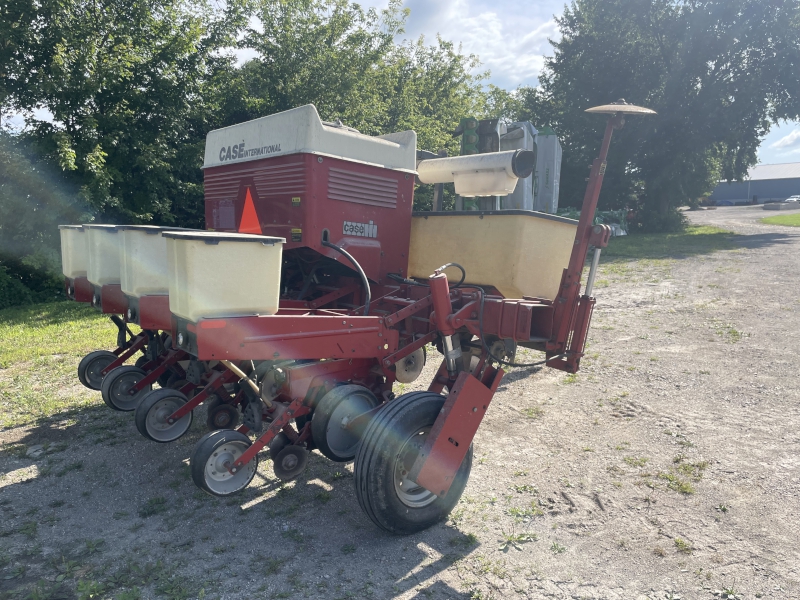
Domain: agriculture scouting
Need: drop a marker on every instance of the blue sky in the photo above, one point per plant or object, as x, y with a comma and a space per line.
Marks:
510, 37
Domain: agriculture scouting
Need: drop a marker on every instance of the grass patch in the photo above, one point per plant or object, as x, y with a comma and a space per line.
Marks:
691, 241
154, 506
790, 220
40, 347
515, 540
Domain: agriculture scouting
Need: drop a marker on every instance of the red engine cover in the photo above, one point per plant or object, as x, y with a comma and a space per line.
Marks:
365, 209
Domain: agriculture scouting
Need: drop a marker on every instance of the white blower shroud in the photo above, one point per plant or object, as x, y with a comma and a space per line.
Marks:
490, 174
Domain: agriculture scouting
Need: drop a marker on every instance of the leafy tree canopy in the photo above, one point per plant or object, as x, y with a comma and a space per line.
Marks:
718, 72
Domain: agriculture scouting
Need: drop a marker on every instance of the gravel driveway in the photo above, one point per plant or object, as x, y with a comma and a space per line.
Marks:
669, 467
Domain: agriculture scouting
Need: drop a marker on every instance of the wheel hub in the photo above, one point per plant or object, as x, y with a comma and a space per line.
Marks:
410, 493
220, 463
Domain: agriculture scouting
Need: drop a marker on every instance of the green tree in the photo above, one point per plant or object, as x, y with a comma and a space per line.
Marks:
129, 88
718, 72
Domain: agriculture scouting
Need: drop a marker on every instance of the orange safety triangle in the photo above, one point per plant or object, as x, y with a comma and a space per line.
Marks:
249, 222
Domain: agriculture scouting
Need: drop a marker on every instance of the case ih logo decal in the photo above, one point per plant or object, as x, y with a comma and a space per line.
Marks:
234, 152
360, 229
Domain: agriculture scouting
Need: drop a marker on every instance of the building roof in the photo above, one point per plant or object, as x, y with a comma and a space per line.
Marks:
781, 171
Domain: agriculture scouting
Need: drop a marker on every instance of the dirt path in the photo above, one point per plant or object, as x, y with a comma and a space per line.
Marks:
669, 467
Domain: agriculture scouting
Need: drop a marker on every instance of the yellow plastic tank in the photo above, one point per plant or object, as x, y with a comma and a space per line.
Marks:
214, 274
74, 251
520, 252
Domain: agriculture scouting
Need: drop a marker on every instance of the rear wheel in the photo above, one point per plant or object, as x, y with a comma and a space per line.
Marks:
390, 445
90, 369
331, 415
212, 458
117, 385
152, 416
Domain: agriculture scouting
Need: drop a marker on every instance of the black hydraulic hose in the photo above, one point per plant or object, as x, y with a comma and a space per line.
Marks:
457, 266
364, 280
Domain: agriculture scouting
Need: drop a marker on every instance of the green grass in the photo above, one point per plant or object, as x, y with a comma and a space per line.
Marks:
40, 347
692, 241
790, 220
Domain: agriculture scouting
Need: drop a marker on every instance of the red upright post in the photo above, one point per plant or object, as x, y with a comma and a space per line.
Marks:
567, 299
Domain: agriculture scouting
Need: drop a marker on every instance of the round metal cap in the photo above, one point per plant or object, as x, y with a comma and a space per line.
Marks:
620, 106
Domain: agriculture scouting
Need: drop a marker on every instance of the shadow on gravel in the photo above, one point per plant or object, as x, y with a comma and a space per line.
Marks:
766, 240
694, 241
101, 437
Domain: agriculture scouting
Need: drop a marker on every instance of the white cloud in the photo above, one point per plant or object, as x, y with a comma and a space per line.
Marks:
509, 36
788, 141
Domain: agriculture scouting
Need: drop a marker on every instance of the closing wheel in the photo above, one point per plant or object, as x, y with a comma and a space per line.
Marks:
408, 369
278, 443
152, 416
141, 362
221, 415
331, 415
389, 447
290, 462
90, 369
117, 386
213, 456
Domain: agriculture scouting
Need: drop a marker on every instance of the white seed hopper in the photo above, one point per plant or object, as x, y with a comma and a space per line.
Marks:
103, 244
144, 260
74, 251
223, 274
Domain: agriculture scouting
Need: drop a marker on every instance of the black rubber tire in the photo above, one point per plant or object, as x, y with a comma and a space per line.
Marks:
161, 400
141, 361
217, 410
380, 445
90, 366
321, 424
204, 450
116, 383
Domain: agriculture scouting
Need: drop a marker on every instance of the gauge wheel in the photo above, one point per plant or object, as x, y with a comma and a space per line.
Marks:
117, 385
388, 449
212, 457
152, 416
332, 413
90, 369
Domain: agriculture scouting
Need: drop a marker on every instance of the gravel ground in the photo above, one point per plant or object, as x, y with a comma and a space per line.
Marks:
669, 467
